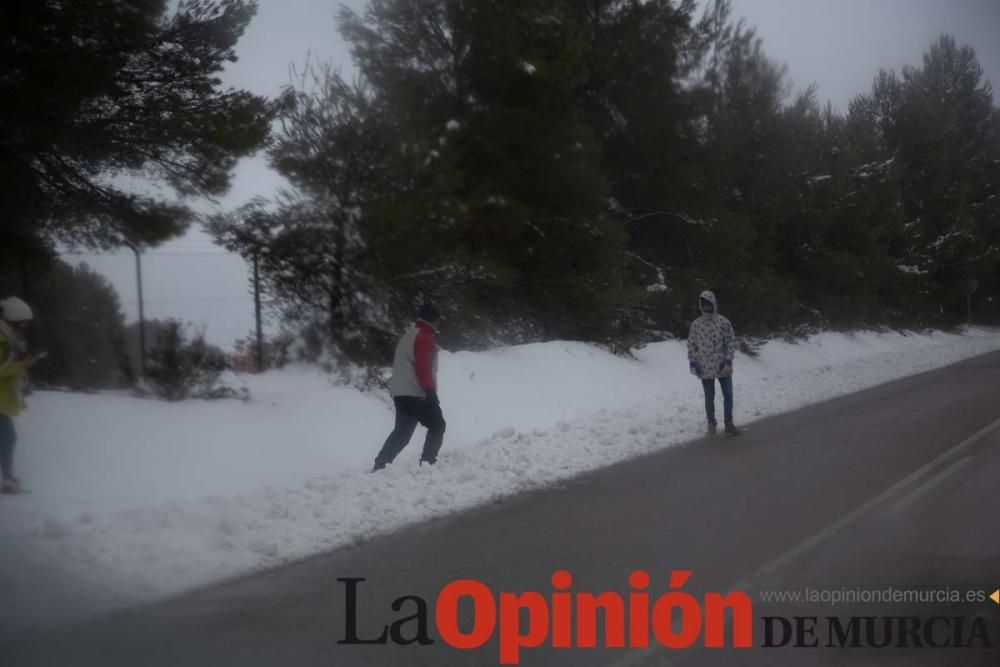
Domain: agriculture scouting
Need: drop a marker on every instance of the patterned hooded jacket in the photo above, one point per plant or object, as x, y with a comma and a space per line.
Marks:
711, 342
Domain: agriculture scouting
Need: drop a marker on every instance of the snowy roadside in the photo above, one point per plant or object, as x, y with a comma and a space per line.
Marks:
135, 500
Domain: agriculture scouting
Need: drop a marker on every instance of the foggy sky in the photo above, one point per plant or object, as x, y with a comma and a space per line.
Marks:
837, 44
841, 44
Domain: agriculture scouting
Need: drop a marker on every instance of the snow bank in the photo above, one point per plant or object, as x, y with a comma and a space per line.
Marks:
132, 500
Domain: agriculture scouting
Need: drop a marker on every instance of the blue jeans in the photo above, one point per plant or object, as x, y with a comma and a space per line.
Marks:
727, 398
7, 439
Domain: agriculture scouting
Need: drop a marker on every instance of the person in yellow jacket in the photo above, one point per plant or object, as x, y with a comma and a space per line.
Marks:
14, 364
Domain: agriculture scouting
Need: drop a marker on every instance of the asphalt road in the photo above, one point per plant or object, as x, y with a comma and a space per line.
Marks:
893, 487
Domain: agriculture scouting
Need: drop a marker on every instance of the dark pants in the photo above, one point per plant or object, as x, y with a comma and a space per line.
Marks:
7, 439
410, 411
727, 398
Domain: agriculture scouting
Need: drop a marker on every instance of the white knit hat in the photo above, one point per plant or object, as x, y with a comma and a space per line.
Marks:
15, 310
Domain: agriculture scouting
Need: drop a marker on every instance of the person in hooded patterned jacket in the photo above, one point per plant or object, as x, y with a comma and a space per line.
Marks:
711, 345
414, 390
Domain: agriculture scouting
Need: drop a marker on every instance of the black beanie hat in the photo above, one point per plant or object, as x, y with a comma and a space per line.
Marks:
428, 313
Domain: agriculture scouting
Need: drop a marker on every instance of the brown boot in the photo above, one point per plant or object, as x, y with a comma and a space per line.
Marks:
712, 430
732, 430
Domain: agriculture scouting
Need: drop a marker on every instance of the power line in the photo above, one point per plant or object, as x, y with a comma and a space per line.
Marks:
156, 253
159, 253
205, 300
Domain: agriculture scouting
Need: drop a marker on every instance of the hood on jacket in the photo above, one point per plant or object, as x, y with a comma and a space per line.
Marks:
15, 310
710, 297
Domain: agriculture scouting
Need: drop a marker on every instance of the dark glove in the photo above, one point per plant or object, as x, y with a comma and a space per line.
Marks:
432, 397
695, 369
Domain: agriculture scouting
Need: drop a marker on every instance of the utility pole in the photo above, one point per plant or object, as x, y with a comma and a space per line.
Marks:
970, 289
256, 306
142, 316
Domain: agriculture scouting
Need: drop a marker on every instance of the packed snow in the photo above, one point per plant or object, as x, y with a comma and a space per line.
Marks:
132, 500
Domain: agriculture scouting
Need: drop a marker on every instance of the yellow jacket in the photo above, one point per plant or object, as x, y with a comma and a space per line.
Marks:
12, 372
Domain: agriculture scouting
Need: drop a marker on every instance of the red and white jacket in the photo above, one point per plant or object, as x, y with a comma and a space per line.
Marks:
414, 366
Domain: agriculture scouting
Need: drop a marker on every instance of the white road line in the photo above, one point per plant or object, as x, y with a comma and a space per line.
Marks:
921, 490
813, 541
637, 656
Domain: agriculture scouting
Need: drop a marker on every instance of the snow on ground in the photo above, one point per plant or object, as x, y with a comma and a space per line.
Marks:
132, 500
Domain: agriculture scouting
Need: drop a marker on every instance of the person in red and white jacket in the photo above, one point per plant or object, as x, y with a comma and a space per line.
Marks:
414, 390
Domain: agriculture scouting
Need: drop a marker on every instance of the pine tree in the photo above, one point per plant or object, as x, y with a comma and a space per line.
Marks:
79, 322
95, 92
497, 173
945, 146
